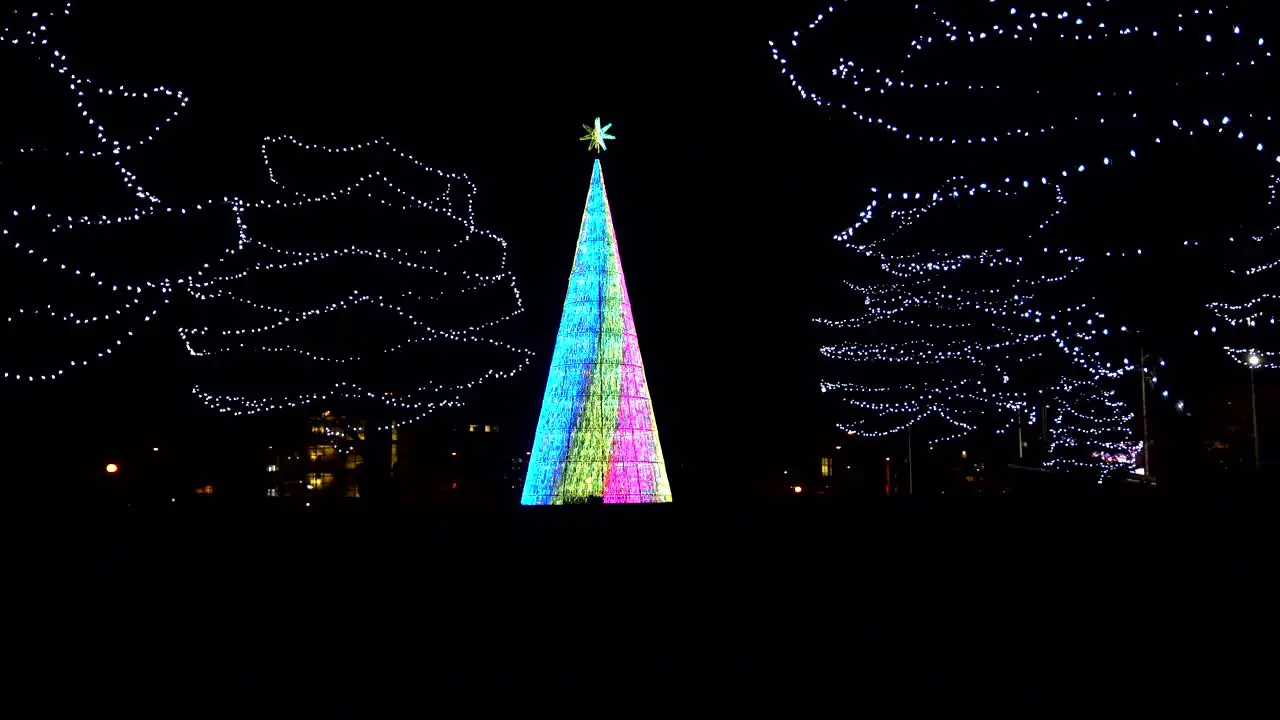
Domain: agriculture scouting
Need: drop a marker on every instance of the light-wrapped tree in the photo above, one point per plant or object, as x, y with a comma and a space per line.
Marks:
378, 289
972, 338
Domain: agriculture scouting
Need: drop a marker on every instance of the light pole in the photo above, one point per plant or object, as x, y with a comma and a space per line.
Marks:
1019, 433
1254, 361
911, 466
1146, 436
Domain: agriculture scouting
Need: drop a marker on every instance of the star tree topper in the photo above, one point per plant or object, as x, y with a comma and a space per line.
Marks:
597, 135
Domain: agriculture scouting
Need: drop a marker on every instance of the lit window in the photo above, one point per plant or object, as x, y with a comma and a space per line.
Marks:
488, 428
273, 492
353, 491
474, 428
273, 468
322, 452
826, 467
318, 481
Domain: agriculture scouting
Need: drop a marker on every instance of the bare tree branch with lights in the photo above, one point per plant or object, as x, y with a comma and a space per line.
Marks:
67, 168
383, 292
967, 342
1042, 98
1246, 322
376, 287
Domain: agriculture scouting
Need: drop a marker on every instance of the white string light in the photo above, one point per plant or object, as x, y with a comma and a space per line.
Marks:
952, 377
856, 89
376, 188
31, 232
1253, 319
859, 87
1224, 125
136, 303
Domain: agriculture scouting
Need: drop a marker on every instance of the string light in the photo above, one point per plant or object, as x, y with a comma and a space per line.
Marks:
888, 100
857, 89
455, 202
135, 304
1244, 315
978, 358
1037, 24
220, 280
1252, 319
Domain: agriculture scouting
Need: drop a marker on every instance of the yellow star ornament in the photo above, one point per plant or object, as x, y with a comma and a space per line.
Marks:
597, 135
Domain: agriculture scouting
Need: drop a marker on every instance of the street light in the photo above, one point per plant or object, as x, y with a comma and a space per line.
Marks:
1254, 361
112, 468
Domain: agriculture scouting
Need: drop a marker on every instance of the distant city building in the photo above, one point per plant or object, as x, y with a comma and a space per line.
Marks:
329, 461
467, 461
441, 462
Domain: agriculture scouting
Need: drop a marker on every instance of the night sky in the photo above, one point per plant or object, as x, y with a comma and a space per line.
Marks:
726, 189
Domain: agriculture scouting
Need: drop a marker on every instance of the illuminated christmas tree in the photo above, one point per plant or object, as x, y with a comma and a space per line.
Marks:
597, 438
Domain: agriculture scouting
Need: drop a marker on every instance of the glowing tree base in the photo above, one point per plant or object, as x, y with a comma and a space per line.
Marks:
597, 439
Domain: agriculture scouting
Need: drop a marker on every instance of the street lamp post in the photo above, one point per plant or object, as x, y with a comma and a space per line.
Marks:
911, 466
1254, 361
1146, 434
1020, 446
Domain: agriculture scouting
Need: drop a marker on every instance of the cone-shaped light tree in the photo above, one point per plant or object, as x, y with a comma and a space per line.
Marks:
597, 439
